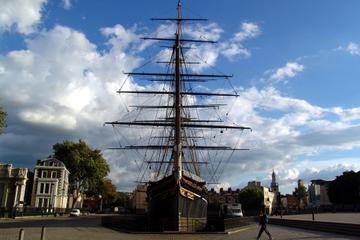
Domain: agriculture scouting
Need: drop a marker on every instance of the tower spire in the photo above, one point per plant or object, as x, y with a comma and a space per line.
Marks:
274, 184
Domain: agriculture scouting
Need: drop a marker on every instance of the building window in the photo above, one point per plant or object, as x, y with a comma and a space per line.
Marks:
46, 202
44, 173
47, 188
2, 188
42, 188
40, 202
53, 174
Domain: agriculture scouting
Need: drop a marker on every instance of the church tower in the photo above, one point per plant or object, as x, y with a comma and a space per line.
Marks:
274, 184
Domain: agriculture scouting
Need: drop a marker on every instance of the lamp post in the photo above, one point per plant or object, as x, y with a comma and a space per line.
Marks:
15, 198
101, 202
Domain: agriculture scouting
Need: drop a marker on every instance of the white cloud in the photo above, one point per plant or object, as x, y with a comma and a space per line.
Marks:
209, 32
291, 174
248, 30
234, 47
208, 54
353, 48
119, 37
224, 185
286, 129
290, 70
346, 115
67, 4
45, 118
23, 16
63, 77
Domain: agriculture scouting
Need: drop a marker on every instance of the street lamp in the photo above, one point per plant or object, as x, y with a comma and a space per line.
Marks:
101, 202
15, 198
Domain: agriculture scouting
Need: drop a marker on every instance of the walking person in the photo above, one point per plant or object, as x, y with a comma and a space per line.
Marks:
263, 220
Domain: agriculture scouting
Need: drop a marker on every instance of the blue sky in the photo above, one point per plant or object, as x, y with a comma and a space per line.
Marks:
295, 65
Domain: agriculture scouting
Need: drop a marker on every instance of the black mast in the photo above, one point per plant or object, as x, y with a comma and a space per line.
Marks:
178, 101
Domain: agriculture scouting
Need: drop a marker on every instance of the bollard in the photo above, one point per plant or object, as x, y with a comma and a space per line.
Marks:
43, 233
21, 234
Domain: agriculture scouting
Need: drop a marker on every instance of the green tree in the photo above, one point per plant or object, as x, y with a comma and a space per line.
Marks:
87, 166
345, 189
251, 198
300, 193
123, 200
3, 115
108, 191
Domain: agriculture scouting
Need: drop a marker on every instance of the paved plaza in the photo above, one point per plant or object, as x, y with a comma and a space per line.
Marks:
89, 228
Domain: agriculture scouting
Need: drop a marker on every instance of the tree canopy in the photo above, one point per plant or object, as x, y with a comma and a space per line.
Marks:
2, 119
122, 199
108, 191
87, 166
345, 189
300, 192
251, 198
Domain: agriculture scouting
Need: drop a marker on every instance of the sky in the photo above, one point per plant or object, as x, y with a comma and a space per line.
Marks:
295, 67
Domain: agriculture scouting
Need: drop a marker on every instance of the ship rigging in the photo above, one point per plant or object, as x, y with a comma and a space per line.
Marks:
176, 190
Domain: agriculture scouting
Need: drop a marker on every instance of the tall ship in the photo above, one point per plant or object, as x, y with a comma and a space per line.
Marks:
176, 152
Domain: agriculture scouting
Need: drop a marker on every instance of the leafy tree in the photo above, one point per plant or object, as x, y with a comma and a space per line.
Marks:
300, 193
345, 189
251, 198
123, 200
3, 115
108, 191
87, 166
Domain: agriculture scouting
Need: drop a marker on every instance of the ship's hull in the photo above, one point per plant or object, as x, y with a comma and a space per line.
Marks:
177, 206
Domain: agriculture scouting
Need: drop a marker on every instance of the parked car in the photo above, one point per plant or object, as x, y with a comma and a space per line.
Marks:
231, 210
75, 212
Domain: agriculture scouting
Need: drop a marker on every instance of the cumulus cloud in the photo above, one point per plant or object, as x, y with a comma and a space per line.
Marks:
210, 32
208, 54
22, 16
353, 48
234, 47
59, 82
351, 114
119, 37
290, 70
67, 4
296, 129
307, 170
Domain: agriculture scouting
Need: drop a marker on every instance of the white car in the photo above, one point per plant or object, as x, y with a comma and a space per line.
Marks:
75, 212
232, 210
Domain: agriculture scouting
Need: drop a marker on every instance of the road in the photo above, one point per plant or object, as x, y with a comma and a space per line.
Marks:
89, 228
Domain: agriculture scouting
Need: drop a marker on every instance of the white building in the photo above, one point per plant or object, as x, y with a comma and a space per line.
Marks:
318, 195
12, 186
269, 200
138, 200
51, 183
